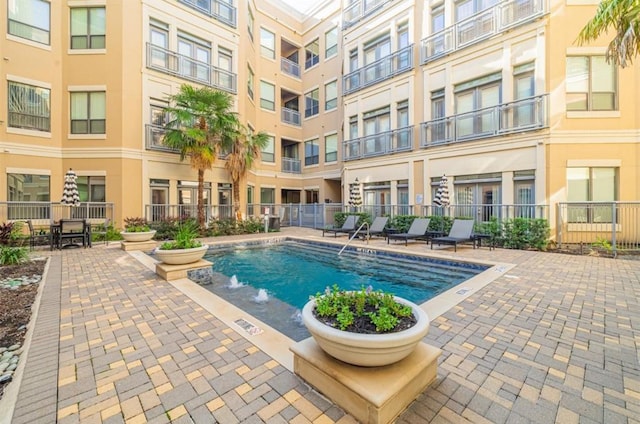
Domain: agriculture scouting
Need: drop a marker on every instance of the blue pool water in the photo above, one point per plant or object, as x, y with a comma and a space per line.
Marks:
291, 271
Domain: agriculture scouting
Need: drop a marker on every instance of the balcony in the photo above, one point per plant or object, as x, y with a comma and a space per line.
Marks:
292, 117
480, 26
380, 70
219, 10
360, 9
507, 118
394, 141
289, 67
291, 165
185, 67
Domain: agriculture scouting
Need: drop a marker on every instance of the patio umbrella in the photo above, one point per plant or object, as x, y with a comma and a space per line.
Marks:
70, 195
355, 200
442, 194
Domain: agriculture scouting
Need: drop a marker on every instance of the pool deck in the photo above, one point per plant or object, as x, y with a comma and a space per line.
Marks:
553, 339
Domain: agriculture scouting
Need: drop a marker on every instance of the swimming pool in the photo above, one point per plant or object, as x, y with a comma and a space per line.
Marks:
288, 272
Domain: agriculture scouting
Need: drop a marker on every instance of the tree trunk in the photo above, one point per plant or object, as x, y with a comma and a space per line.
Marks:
236, 199
201, 198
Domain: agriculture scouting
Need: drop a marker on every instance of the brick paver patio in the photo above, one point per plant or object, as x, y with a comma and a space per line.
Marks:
553, 340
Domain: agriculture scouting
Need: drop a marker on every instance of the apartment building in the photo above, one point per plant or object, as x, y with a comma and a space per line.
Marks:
389, 94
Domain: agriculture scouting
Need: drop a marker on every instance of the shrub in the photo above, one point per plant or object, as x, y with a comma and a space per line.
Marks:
340, 217
13, 255
525, 233
168, 227
136, 225
184, 237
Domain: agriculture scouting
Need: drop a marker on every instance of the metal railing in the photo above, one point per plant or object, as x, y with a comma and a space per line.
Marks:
289, 67
156, 213
153, 139
44, 213
607, 224
506, 118
172, 63
360, 9
380, 70
29, 121
291, 165
291, 116
400, 140
480, 26
219, 10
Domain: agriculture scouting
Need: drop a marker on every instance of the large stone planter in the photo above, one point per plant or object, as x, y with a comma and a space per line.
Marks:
137, 237
181, 256
368, 350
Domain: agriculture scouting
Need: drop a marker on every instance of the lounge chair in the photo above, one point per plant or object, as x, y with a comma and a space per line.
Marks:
417, 231
348, 226
460, 232
376, 228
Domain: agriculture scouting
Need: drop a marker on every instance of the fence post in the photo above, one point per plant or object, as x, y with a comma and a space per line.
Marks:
559, 224
614, 221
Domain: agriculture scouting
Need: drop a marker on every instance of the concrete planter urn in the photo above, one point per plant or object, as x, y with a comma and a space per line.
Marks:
367, 350
181, 256
137, 236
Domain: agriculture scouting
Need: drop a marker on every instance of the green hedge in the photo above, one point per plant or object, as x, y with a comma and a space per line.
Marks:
340, 217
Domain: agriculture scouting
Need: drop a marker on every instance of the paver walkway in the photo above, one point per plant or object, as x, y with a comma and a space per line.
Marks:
554, 340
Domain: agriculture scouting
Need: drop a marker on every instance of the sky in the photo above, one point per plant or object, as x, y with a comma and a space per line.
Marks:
301, 5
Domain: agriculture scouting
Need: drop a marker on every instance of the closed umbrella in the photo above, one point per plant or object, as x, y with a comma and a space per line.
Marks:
355, 200
70, 195
442, 194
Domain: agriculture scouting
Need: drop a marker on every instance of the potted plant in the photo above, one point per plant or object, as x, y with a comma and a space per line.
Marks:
136, 229
183, 249
365, 327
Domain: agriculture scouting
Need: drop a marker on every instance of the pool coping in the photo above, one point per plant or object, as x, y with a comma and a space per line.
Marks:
276, 344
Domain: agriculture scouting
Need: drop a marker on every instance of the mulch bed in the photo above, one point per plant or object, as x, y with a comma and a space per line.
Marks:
15, 304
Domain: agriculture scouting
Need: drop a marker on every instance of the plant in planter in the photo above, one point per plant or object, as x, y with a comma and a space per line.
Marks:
365, 327
183, 249
136, 229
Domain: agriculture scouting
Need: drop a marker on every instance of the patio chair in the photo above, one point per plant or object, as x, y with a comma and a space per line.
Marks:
72, 229
36, 236
348, 226
460, 232
417, 231
377, 228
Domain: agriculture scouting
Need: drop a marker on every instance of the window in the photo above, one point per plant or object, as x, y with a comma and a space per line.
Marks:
472, 96
267, 96
250, 23
225, 63
466, 8
29, 107
268, 152
91, 189
311, 152
28, 188
196, 58
353, 60
374, 51
591, 185
30, 19
353, 127
267, 43
312, 51
88, 112
404, 58
524, 113
331, 95
404, 131
250, 82
478, 195
591, 84
311, 103
331, 148
438, 129
312, 196
88, 27
267, 195
331, 42
377, 123
159, 38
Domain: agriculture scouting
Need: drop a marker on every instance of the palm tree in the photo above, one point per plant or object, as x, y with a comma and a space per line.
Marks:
245, 149
201, 124
624, 17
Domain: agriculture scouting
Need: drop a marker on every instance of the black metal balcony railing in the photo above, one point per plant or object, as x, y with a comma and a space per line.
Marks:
291, 116
519, 116
480, 26
291, 165
360, 9
185, 67
380, 70
219, 10
399, 140
29, 122
289, 67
